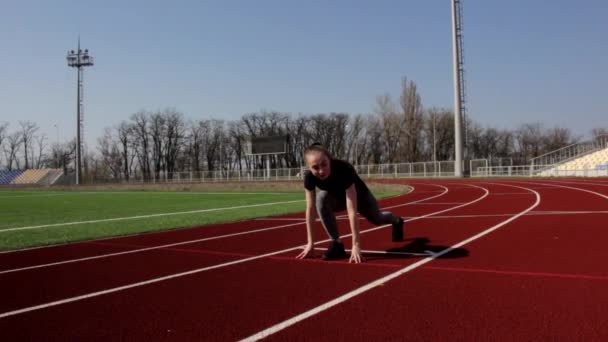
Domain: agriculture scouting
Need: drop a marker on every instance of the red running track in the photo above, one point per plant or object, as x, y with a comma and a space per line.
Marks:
482, 260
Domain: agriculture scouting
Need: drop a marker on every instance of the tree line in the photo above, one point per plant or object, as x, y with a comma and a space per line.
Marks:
153, 143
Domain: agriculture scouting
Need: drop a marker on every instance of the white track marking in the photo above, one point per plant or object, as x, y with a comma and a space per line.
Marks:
280, 219
159, 247
531, 213
442, 192
426, 253
29, 196
142, 283
509, 193
289, 322
548, 212
147, 216
139, 250
552, 185
577, 183
177, 275
439, 203
197, 193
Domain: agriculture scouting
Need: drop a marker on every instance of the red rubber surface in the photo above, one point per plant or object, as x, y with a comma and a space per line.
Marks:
539, 277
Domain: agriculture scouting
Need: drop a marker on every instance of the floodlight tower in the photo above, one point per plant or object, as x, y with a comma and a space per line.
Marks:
79, 59
459, 89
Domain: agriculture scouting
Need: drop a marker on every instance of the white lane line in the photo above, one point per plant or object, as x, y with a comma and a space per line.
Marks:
289, 322
509, 193
540, 212
168, 245
146, 249
177, 275
186, 192
532, 213
439, 203
552, 185
280, 219
197, 193
442, 192
142, 283
368, 251
577, 183
147, 216
29, 196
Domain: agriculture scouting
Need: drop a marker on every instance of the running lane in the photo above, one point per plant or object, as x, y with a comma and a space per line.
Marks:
224, 303
540, 277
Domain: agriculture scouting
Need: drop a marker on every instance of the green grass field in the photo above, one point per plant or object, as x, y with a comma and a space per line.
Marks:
35, 218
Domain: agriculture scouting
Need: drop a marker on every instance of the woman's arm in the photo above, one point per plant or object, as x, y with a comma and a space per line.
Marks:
351, 207
309, 250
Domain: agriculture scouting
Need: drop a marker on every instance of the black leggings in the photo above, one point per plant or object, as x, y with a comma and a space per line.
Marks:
328, 203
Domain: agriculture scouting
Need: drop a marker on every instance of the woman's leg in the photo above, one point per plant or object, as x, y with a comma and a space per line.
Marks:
367, 206
327, 205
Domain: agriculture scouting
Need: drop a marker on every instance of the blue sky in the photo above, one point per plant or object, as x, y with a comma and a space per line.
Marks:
526, 61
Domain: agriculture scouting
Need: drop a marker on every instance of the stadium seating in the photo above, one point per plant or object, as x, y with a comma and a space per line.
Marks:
6, 176
596, 162
30, 177
588, 162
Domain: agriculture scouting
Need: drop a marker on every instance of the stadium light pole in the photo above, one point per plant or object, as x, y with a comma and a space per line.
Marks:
79, 59
434, 139
456, 32
348, 126
57, 134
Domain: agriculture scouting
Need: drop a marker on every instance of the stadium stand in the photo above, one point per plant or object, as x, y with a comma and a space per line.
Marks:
6, 176
596, 163
30, 177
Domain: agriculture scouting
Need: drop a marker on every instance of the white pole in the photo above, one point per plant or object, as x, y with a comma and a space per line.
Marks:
457, 92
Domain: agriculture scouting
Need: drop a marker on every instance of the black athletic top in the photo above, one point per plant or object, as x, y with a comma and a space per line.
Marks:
342, 176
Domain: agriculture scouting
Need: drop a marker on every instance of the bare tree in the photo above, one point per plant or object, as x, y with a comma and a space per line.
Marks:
11, 149
124, 131
28, 129
557, 138
3, 134
299, 140
111, 159
141, 142
373, 139
528, 138
195, 145
411, 107
41, 156
597, 132
439, 134
158, 131
213, 144
392, 126
356, 127
173, 139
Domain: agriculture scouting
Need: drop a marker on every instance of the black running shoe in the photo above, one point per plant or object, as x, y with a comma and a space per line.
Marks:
398, 230
334, 252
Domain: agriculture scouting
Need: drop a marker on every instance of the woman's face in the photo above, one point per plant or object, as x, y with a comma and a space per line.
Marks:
319, 165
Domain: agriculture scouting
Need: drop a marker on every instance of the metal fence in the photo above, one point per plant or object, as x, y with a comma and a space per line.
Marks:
400, 170
539, 171
443, 169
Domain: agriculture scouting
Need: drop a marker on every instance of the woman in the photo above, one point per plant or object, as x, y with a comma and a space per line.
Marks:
340, 188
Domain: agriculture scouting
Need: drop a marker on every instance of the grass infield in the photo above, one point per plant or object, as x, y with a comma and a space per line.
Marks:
32, 218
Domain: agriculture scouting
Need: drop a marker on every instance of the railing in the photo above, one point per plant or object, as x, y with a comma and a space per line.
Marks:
540, 171
400, 170
571, 151
443, 169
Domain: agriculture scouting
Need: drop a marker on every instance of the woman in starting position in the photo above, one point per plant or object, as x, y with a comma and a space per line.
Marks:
340, 188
